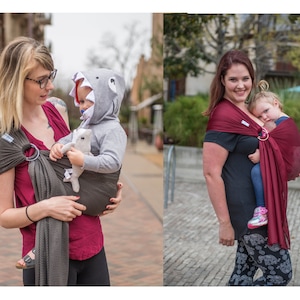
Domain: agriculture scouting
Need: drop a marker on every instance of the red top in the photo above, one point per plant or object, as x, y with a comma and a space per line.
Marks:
85, 232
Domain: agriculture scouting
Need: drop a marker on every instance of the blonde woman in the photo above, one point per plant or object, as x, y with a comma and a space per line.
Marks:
26, 78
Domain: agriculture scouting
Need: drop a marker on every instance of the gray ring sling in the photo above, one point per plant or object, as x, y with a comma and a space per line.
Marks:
52, 236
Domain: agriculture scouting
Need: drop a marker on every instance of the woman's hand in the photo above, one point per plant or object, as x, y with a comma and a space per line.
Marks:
226, 234
115, 201
64, 208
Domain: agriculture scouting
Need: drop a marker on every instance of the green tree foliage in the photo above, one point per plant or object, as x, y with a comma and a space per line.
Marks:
194, 41
185, 37
293, 53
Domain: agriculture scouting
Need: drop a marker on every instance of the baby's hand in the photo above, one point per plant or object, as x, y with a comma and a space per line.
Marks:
55, 152
270, 125
255, 157
76, 157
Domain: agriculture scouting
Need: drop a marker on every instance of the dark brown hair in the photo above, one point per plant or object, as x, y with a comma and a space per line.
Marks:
217, 89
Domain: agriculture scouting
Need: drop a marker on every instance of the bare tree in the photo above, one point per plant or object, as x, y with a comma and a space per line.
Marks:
121, 55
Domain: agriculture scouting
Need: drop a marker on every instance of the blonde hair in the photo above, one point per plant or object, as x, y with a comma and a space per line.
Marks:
17, 60
263, 85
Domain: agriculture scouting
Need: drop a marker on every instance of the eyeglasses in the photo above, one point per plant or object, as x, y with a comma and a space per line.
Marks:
43, 82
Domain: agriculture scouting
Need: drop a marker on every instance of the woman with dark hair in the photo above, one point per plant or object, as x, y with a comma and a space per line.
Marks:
232, 134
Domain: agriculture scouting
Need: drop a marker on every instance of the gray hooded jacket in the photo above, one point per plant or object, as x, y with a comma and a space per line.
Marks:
109, 138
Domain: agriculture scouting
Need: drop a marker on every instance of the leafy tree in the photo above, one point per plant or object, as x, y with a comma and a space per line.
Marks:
269, 37
293, 53
194, 41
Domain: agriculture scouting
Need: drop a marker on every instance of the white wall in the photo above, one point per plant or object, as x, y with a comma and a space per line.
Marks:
196, 85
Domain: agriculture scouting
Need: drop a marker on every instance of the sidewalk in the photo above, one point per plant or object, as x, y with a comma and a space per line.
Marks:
133, 233
192, 254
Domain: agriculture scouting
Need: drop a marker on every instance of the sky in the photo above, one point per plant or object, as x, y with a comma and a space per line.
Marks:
73, 35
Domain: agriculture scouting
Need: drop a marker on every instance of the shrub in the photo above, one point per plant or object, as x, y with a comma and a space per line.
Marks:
185, 125
183, 120
292, 108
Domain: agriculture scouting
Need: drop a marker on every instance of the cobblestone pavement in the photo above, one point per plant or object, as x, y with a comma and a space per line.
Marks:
192, 255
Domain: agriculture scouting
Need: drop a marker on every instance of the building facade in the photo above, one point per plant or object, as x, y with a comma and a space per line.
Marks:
23, 24
149, 76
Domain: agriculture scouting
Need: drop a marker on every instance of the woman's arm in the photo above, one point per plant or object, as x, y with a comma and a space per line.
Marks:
64, 208
10, 217
214, 157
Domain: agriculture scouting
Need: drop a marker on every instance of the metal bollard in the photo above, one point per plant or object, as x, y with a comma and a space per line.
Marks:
170, 164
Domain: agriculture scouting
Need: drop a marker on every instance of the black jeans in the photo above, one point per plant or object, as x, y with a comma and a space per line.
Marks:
89, 272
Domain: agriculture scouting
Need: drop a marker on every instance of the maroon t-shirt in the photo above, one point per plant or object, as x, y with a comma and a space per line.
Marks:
85, 232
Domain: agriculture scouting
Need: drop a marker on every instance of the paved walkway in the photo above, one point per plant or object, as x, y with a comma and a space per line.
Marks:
192, 254
133, 233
